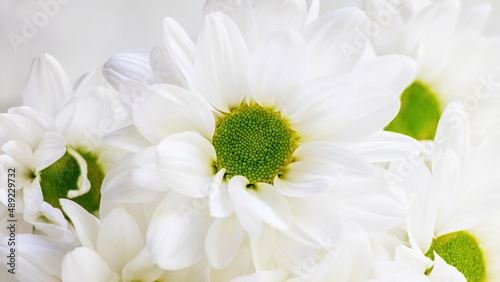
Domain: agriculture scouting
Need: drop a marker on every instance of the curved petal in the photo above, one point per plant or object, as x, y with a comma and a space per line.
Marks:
176, 233
276, 67
128, 138
48, 87
338, 36
241, 12
37, 257
52, 148
385, 146
118, 186
142, 268
119, 239
395, 72
306, 178
84, 264
162, 110
262, 201
452, 133
86, 225
223, 241
128, 65
221, 62
13, 126
186, 163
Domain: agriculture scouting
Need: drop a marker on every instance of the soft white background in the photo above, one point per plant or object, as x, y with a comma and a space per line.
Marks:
84, 33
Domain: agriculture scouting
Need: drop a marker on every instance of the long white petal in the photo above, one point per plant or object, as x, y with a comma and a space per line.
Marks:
48, 87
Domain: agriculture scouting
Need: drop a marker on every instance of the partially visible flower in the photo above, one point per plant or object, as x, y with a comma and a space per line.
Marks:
456, 62
53, 141
451, 201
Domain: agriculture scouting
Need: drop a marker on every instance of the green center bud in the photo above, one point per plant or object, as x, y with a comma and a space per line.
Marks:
461, 250
59, 179
419, 114
254, 142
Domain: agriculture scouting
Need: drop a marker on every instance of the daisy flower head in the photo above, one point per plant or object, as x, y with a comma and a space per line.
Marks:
455, 61
267, 134
52, 141
452, 201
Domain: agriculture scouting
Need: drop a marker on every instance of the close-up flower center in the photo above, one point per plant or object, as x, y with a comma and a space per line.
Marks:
461, 250
61, 180
419, 114
254, 142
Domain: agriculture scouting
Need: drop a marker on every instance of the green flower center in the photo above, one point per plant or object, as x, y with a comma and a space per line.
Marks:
59, 179
254, 142
419, 114
461, 250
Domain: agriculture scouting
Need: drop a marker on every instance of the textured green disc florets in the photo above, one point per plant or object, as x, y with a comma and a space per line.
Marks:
254, 142
62, 176
419, 114
461, 250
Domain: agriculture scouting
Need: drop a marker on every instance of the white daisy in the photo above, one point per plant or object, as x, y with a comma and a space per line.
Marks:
450, 203
277, 135
455, 61
52, 141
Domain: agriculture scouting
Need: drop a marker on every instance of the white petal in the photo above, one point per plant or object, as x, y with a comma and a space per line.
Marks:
118, 187
306, 178
128, 65
221, 204
161, 110
83, 264
36, 256
351, 169
127, 138
221, 62
13, 126
41, 119
241, 12
176, 233
141, 268
250, 222
273, 15
86, 225
223, 241
52, 148
186, 163
339, 37
263, 201
372, 109
22, 154
445, 272
452, 133
337, 267
178, 51
386, 146
119, 239
317, 105
92, 118
315, 221
276, 67
394, 72
48, 87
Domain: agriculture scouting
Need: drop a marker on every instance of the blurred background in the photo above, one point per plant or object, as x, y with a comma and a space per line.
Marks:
83, 34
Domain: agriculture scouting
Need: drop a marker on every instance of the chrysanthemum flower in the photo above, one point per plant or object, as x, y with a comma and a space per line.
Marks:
455, 61
266, 135
451, 202
52, 141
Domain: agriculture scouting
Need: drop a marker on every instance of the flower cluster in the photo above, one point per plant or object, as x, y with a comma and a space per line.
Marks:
277, 145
